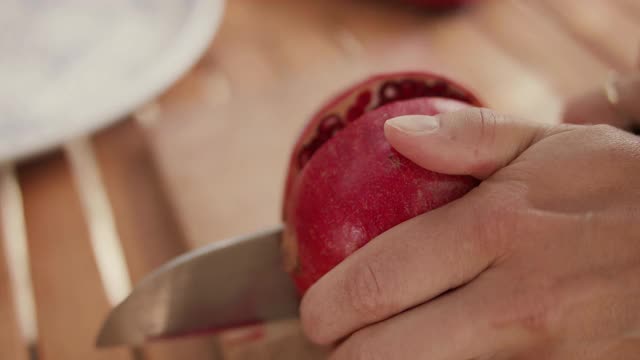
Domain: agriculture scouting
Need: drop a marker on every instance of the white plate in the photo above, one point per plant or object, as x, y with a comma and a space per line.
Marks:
69, 67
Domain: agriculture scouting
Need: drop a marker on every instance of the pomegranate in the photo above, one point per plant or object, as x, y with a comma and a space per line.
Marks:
346, 184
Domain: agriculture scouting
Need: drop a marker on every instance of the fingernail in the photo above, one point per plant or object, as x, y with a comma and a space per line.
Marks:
415, 123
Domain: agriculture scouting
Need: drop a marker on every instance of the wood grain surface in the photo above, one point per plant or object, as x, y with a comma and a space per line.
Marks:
206, 160
11, 340
70, 300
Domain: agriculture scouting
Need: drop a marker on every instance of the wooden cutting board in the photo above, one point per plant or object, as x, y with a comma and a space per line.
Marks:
221, 137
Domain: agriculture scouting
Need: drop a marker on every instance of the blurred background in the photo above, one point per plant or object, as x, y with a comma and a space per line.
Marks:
133, 131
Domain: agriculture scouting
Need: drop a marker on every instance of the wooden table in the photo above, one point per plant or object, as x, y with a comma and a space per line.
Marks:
206, 160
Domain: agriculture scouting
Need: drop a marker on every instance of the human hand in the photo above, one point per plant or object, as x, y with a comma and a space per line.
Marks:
540, 261
617, 103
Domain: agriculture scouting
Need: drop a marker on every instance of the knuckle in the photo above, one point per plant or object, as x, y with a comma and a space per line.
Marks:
312, 331
498, 224
481, 129
311, 327
535, 320
533, 310
313, 318
365, 293
487, 123
359, 347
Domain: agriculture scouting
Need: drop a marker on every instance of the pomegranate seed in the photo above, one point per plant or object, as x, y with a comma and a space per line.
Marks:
408, 89
421, 89
364, 99
312, 147
437, 89
329, 123
389, 91
354, 112
304, 157
336, 129
320, 138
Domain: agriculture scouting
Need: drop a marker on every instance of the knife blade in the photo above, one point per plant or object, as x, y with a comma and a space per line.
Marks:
234, 282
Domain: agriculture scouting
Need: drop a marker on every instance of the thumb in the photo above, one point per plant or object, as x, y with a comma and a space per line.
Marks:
473, 141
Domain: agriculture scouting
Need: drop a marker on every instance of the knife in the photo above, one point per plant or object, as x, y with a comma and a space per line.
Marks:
234, 282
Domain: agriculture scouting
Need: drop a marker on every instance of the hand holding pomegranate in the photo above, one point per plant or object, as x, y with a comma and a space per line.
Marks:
540, 261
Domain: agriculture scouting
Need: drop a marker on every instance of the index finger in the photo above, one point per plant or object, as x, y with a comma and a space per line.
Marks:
399, 269
615, 103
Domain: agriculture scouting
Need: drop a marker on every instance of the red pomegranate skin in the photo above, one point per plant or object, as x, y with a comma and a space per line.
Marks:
339, 105
357, 186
